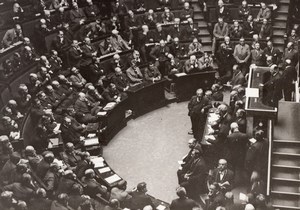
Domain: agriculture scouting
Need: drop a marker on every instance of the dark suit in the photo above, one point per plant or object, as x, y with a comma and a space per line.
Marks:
91, 11
76, 16
227, 177
139, 200
190, 32
272, 90
225, 14
275, 53
70, 159
266, 31
289, 75
75, 56
42, 168
196, 184
93, 188
65, 185
257, 57
238, 79
60, 45
82, 166
197, 118
183, 204
87, 54
120, 81
250, 29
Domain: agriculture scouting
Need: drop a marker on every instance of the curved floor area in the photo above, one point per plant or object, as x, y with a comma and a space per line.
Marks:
149, 147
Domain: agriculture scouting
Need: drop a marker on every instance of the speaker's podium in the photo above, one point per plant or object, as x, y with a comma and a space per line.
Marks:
256, 108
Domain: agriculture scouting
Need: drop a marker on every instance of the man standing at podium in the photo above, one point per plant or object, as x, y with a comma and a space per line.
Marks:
197, 107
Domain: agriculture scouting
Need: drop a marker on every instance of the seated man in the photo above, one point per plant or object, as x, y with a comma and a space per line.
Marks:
223, 176
119, 193
76, 79
134, 74
195, 48
220, 31
72, 133
194, 178
266, 30
159, 33
77, 16
139, 197
159, 54
88, 52
23, 99
236, 31
152, 73
120, 80
91, 10
187, 12
244, 10
173, 66
191, 65
117, 42
167, 16
264, 12
75, 54
12, 36
191, 30
215, 197
93, 188
70, 156
85, 110
112, 94
206, 62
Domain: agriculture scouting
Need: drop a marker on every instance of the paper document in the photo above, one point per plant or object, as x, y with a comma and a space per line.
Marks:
57, 127
109, 106
252, 92
113, 178
180, 74
92, 141
54, 141
98, 162
243, 197
161, 207
104, 170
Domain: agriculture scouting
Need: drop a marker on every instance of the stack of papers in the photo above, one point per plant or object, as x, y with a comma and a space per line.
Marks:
113, 178
54, 141
98, 162
160, 207
91, 142
103, 170
180, 74
109, 106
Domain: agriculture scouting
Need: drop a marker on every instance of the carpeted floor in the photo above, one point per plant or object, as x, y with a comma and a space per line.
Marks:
149, 147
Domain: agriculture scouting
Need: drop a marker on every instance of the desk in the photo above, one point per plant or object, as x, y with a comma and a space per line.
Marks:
115, 120
146, 97
187, 84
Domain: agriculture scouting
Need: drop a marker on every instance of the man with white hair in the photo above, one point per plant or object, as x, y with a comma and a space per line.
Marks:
12, 36
264, 12
223, 176
85, 110
91, 10
191, 65
117, 42
187, 12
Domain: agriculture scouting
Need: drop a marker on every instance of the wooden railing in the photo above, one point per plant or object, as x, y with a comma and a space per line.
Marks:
270, 140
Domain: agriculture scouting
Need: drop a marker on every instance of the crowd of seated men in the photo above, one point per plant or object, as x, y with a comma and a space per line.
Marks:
61, 81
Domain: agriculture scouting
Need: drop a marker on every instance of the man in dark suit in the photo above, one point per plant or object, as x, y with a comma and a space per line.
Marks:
86, 110
177, 30
289, 76
272, 89
77, 16
274, 52
93, 187
183, 202
215, 197
84, 164
72, 133
250, 27
75, 54
96, 73
120, 80
223, 176
88, 52
191, 30
44, 165
61, 17
112, 94
91, 10
266, 30
139, 197
70, 156
61, 44
238, 78
194, 180
236, 143
197, 109
257, 55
